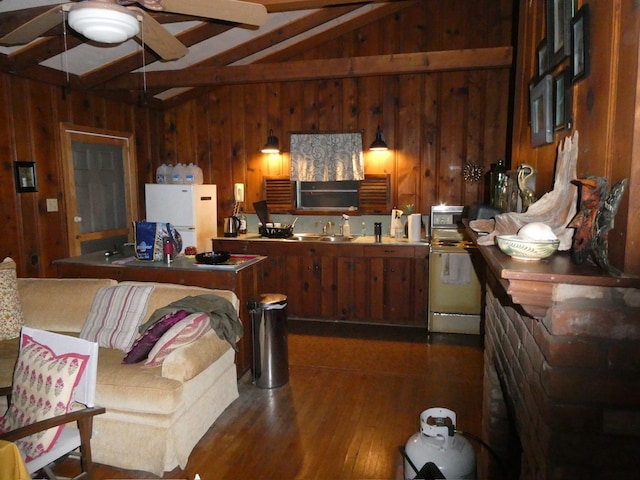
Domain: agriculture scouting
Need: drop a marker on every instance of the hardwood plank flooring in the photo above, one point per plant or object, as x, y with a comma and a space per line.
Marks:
349, 405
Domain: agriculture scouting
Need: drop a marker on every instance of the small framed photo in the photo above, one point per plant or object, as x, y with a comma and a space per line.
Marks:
581, 51
25, 175
541, 108
542, 58
558, 35
562, 105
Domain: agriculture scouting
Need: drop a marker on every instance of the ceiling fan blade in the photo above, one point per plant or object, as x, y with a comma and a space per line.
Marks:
159, 39
34, 28
247, 13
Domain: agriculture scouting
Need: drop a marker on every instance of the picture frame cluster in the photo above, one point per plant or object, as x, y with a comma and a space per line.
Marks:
562, 60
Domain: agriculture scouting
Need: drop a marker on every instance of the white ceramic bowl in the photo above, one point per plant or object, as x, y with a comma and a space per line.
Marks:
530, 250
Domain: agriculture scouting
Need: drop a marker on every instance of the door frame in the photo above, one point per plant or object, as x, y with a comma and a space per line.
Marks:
70, 132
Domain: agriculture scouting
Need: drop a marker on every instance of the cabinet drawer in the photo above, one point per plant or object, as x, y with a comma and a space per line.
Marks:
386, 251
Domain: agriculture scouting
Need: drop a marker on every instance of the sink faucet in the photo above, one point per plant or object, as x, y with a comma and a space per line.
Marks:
326, 227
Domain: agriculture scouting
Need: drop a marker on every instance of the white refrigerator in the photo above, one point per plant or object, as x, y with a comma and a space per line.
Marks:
191, 209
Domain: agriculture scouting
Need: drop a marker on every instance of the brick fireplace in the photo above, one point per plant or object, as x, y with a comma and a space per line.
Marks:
562, 373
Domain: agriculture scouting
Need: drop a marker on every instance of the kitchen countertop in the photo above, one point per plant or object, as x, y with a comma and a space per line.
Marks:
357, 240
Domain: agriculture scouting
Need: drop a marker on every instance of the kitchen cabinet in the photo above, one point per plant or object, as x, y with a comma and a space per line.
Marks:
354, 282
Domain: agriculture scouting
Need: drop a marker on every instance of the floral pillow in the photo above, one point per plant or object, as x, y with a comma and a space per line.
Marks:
11, 317
43, 385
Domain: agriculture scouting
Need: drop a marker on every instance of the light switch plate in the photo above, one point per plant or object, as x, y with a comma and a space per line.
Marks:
52, 204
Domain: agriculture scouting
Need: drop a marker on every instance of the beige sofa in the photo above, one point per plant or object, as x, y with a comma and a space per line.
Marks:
154, 416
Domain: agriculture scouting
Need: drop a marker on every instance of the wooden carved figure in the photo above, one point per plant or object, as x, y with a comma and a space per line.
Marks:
594, 220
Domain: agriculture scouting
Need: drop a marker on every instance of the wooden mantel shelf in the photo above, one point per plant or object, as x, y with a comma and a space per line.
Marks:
531, 284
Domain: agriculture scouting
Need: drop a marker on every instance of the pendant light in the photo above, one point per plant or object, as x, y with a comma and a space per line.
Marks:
378, 143
272, 145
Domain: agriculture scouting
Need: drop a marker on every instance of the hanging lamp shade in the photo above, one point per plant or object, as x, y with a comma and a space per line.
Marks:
272, 145
378, 143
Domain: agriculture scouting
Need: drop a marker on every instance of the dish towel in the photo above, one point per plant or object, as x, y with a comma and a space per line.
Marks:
456, 269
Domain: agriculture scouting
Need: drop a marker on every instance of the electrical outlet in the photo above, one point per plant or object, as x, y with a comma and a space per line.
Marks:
52, 204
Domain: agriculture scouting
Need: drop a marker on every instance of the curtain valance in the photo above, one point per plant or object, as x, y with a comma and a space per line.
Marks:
323, 157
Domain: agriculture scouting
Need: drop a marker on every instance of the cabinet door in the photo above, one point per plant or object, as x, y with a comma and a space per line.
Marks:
318, 283
398, 290
351, 290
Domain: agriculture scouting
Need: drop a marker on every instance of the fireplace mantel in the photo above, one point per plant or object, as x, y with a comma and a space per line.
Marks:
533, 284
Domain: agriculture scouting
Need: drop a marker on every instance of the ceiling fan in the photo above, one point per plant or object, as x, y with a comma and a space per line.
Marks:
114, 21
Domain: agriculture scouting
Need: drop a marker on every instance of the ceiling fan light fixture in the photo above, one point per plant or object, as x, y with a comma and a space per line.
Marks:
104, 23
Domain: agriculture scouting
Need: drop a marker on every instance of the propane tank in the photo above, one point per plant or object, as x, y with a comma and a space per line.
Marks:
437, 445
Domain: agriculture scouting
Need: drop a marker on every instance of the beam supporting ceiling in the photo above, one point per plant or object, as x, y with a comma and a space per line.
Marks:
421, 62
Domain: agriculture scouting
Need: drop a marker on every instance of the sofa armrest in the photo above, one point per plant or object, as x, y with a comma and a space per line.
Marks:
188, 361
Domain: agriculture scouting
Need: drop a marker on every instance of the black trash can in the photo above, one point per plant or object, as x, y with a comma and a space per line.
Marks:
270, 351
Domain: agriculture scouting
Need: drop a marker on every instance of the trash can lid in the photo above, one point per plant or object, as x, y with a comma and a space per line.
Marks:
268, 301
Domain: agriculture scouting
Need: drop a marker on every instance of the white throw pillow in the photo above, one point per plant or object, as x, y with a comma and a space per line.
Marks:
115, 315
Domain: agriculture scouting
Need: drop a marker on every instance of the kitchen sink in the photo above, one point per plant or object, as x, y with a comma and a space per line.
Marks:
338, 238
317, 237
301, 237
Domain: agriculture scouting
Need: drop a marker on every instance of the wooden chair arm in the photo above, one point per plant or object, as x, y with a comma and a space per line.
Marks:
5, 391
75, 416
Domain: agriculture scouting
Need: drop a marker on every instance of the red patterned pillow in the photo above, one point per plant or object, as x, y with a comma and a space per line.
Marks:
182, 333
143, 345
43, 384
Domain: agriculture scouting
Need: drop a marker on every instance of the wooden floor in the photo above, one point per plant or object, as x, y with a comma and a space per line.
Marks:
349, 405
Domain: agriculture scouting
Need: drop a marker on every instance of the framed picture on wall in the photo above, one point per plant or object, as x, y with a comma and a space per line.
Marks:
541, 108
580, 52
558, 34
562, 100
542, 58
25, 176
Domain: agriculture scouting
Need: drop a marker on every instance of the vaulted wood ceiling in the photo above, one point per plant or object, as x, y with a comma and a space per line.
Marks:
219, 52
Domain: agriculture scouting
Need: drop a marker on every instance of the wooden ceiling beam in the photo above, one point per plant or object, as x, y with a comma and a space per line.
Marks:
395, 64
300, 26
291, 5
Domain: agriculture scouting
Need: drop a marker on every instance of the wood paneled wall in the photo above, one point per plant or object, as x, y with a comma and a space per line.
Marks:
434, 123
29, 121
605, 111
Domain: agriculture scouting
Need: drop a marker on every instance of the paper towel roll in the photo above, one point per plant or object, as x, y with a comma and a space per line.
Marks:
415, 224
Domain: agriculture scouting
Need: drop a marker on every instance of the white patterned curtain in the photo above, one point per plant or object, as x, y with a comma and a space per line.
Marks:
324, 157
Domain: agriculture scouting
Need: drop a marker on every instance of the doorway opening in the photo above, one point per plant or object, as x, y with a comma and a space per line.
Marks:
100, 178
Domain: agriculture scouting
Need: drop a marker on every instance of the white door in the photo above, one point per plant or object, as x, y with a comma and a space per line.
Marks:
100, 177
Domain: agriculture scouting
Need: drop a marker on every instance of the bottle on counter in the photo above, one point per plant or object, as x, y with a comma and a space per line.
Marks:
346, 228
377, 231
242, 229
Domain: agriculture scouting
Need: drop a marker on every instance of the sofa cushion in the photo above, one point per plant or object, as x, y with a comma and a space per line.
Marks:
134, 389
43, 384
182, 333
11, 317
143, 345
115, 315
46, 301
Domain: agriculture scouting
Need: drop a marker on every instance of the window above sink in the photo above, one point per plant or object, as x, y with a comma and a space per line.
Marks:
371, 195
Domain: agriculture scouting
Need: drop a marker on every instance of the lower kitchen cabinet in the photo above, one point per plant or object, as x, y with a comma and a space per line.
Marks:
361, 283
